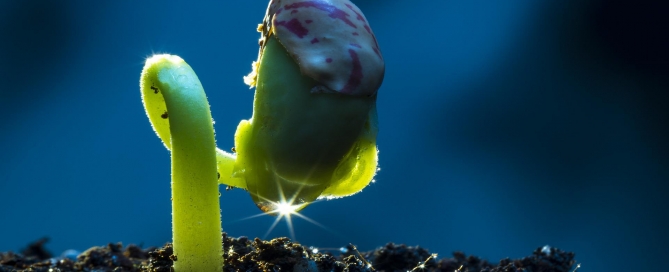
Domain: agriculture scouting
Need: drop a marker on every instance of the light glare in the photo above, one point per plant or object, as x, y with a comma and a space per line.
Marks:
285, 208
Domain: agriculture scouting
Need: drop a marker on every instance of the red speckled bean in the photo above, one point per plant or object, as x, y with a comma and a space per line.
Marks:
327, 40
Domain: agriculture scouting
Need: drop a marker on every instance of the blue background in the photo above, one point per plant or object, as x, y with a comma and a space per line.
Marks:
504, 126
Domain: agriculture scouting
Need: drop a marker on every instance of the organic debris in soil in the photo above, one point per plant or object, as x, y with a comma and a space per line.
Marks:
242, 254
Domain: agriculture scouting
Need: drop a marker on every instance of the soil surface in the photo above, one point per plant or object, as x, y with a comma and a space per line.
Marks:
243, 254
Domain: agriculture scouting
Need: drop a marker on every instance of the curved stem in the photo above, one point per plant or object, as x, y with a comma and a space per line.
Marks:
177, 107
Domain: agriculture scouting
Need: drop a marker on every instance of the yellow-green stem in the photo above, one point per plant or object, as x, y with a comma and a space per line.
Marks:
177, 107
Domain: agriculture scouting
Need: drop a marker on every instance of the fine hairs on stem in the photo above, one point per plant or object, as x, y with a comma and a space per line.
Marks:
177, 107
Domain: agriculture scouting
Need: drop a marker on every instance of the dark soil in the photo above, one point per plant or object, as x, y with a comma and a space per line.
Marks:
242, 254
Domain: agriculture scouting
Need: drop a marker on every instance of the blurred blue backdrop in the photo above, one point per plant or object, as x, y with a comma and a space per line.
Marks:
504, 126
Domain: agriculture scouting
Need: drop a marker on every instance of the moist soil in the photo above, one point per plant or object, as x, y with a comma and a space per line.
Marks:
280, 254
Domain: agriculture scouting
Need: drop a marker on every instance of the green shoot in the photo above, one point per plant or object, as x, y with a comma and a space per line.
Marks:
177, 107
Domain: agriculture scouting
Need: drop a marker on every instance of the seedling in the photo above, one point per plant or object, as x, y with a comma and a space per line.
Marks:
312, 133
